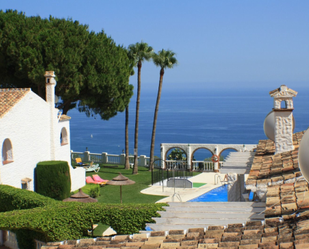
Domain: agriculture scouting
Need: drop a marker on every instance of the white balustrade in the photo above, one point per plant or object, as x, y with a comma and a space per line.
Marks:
142, 161
104, 157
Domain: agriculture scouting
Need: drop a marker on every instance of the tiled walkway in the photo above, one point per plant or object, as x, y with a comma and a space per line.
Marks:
211, 179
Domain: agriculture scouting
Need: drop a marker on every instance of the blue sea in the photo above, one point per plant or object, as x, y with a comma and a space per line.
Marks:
233, 116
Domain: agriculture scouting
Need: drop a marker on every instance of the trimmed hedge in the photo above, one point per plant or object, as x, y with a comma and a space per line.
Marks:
13, 198
57, 221
52, 179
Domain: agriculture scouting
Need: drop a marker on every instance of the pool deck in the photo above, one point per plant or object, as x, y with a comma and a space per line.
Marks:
185, 194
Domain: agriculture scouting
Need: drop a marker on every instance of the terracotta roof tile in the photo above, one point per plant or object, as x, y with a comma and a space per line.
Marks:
9, 97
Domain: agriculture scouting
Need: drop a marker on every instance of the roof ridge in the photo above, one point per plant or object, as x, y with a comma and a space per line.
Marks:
14, 89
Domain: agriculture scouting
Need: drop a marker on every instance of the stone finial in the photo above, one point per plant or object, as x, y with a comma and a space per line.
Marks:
50, 77
49, 74
283, 94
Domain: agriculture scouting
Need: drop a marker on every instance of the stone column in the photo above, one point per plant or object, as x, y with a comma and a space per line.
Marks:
104, 157
162, 156
188, 157
142, 160
122, 159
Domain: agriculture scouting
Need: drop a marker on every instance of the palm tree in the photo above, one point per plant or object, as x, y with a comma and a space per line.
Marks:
138, 52
127, 160
163, 59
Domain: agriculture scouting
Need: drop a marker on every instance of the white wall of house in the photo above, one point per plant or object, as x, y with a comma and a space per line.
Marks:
27, 126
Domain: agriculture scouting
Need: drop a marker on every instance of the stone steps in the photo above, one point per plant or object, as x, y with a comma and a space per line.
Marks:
237, 162
185, 215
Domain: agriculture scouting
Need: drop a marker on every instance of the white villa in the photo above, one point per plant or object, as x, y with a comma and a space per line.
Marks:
33, 130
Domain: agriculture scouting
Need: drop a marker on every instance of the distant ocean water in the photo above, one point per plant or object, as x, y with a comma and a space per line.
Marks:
207, 116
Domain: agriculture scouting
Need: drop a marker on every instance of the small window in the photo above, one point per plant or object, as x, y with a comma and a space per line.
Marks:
7, 151
64, 137
284, 104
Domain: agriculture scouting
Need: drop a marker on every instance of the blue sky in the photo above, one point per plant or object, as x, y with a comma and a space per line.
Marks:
219, 44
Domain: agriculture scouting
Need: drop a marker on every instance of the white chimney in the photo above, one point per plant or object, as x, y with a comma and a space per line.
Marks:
50, 99
283, 114
50, 87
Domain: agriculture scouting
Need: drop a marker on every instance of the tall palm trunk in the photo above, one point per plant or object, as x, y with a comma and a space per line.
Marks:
135, 167
153, 137
127, 161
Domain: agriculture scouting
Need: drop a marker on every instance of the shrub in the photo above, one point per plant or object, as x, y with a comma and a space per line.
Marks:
91, 189
56, 220
53, 179
12, 199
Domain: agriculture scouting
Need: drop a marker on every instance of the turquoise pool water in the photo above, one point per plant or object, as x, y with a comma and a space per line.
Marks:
216, 195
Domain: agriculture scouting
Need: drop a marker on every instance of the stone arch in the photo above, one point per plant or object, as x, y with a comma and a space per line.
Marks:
175, 164
196, 149
171, 148
227, 148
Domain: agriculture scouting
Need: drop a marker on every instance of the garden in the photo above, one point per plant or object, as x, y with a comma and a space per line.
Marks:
34, 216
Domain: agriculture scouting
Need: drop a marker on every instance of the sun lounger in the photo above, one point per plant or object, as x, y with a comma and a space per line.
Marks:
79, 161
90, 180
94, 167
97, 178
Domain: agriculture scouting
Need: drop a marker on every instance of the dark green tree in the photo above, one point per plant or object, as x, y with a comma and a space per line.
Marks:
91, 69
177, 154
138, 52
163, 59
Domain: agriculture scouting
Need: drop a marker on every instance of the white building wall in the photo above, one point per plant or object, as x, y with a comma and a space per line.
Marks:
27, 125
63, 152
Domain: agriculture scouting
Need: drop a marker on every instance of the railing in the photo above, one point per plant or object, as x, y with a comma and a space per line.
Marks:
207, 166
113, 159
160, 175
104, 157
176, 165
39, 244
95, 157
203, 166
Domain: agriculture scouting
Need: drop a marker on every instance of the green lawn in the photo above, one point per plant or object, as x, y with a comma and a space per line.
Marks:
198, 184
130, 193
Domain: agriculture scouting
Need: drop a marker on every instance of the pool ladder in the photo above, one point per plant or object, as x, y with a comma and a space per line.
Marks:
227, 179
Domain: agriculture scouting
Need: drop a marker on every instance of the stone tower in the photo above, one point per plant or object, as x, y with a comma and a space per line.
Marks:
283, 112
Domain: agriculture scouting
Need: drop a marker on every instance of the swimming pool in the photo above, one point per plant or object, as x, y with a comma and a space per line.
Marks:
215, 195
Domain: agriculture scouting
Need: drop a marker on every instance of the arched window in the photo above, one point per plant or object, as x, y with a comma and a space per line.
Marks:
284, 104
7, 151
64, 136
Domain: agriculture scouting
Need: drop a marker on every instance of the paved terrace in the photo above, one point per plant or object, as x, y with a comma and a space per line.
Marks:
212, 180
